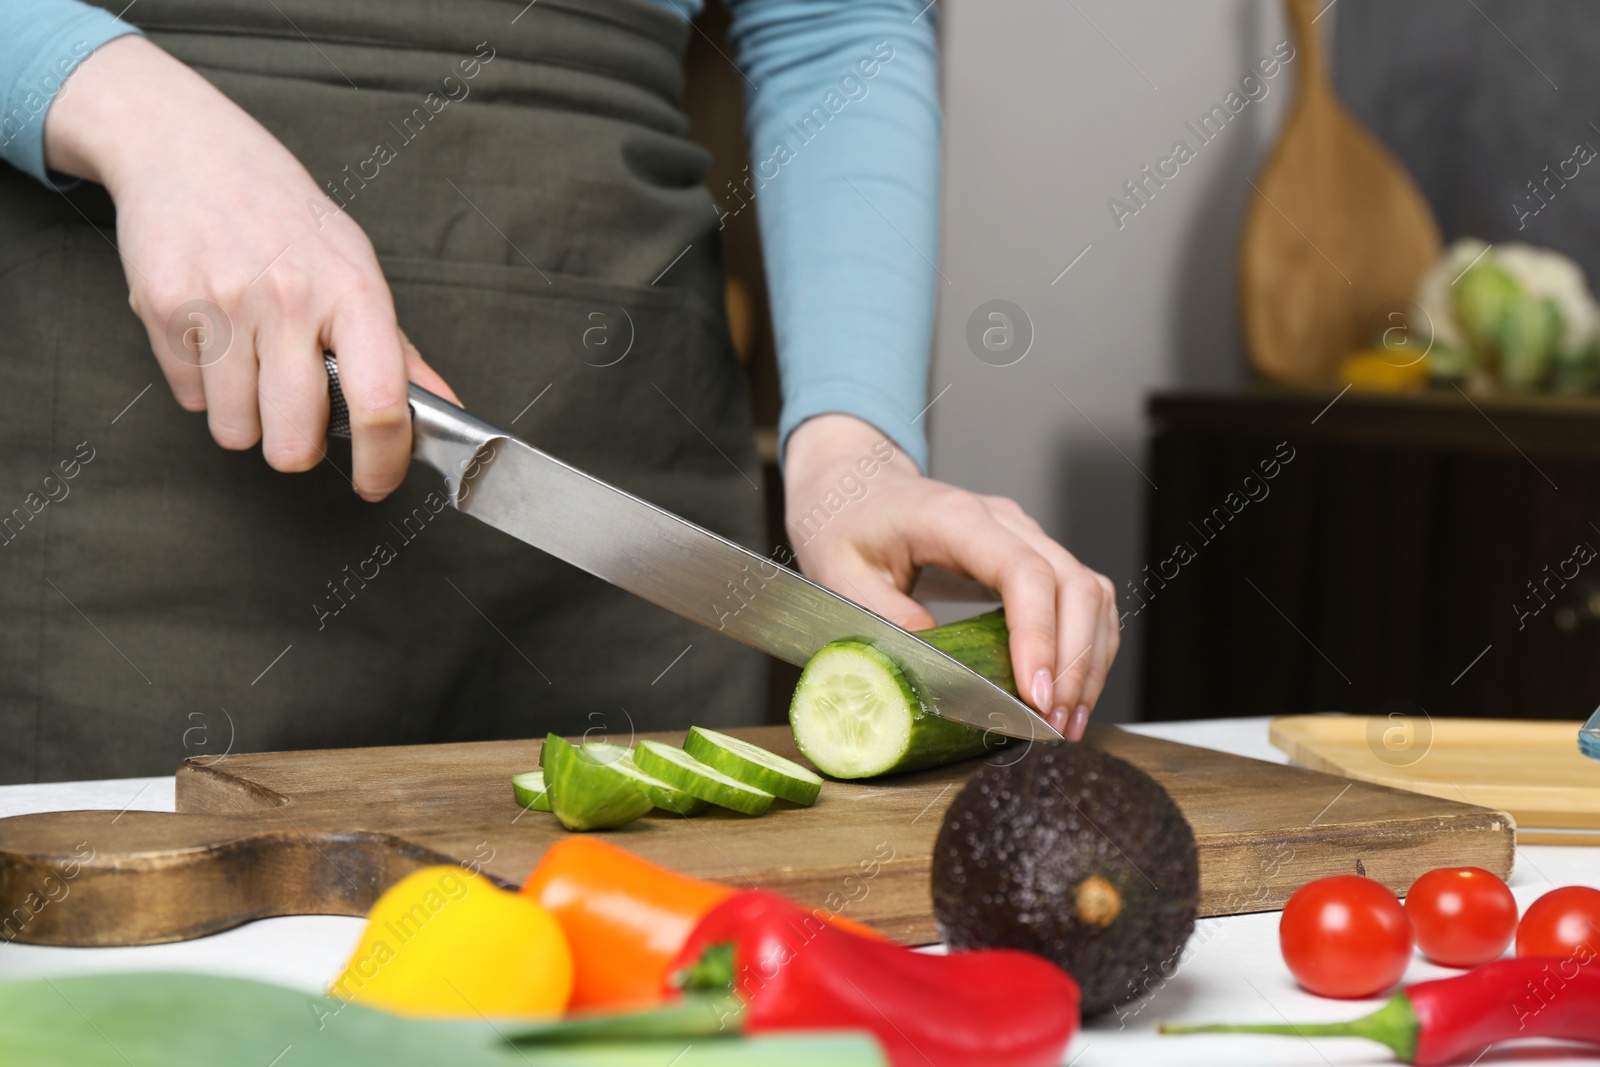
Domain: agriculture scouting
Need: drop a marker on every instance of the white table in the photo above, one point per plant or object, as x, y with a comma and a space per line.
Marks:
1231, 970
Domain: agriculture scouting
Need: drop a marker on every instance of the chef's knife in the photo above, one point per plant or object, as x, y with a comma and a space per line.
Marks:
667, 560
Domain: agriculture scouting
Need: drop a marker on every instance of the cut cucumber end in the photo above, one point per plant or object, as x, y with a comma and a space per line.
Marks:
681, 770
853, 710
753, 765
664, 796
856, 715
528, 789
586, 794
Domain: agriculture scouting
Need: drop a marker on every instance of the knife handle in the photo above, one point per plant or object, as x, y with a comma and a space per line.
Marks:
447, 438
338, 410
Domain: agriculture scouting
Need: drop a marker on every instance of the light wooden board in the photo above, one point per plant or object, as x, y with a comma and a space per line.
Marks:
325, 832
1335, 231
1531, 769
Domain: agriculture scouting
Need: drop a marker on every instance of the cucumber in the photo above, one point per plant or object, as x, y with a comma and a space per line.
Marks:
528, 788
662, 795
586, 794
753, 765
856, 715
676, 767
982, 642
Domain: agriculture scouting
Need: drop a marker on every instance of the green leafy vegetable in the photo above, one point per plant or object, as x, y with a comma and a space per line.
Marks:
195, 1020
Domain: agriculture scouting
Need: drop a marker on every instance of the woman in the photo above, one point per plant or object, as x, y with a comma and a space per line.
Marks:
506, 188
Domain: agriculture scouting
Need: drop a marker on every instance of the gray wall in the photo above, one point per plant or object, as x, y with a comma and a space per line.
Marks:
1045, 119
1481, 100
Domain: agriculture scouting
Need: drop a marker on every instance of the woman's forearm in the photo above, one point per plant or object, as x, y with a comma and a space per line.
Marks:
844, 174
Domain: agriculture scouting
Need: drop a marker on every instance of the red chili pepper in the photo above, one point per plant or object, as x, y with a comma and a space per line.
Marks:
996, 1007
1456, 1018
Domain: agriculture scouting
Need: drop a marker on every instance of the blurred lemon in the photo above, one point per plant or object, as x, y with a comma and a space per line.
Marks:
446, 943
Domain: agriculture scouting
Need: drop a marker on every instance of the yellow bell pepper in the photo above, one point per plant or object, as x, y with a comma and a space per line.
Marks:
1386, 370
445, 942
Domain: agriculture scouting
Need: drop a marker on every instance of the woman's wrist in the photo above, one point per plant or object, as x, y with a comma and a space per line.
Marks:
128, 104
827, 446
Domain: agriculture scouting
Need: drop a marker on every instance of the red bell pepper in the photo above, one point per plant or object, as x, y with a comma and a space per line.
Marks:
997, 1007
1455, 1019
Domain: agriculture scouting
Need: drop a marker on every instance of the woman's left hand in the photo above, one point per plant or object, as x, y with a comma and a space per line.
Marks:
863, 521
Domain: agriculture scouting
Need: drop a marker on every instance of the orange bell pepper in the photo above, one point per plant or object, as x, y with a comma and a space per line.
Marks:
626, 918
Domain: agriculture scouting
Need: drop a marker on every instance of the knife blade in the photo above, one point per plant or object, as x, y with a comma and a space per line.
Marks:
671, 562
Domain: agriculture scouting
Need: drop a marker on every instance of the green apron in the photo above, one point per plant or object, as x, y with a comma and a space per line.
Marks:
161, 597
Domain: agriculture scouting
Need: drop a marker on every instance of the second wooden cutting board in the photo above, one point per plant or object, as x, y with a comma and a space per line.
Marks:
1531, 769
325, 832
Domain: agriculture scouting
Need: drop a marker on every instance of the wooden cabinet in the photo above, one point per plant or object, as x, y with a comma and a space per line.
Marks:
1428, 550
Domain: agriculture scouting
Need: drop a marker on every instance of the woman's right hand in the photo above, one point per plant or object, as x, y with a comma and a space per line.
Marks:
214, 215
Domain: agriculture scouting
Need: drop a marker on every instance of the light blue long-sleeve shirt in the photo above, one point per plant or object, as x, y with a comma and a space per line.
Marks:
843, 120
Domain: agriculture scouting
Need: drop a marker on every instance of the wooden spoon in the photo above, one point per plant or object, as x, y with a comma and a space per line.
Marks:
1335, 231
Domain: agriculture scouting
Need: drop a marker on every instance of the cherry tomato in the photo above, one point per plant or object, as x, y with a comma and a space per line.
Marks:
1345, 936
1461, 916
1564, 922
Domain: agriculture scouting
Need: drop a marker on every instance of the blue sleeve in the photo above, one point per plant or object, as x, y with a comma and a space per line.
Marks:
41, 42
844, 124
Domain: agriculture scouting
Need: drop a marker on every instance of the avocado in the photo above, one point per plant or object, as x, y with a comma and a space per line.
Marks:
1074, 855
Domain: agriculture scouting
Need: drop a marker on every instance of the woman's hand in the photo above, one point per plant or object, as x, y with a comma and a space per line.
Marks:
241, 269
1062, 615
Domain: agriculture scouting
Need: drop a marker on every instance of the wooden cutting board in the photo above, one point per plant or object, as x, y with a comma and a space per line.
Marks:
1531, 769
324, 832
1336, 234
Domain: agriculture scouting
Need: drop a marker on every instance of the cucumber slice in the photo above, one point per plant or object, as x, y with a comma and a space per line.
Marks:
586, 794
753, 765
676, 767
528, 788
855, 715
664, 796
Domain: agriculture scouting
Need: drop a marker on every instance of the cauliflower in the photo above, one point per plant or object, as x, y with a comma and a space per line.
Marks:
1511, 314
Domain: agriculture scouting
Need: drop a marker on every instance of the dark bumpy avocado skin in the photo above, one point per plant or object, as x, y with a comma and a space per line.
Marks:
1024, 834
